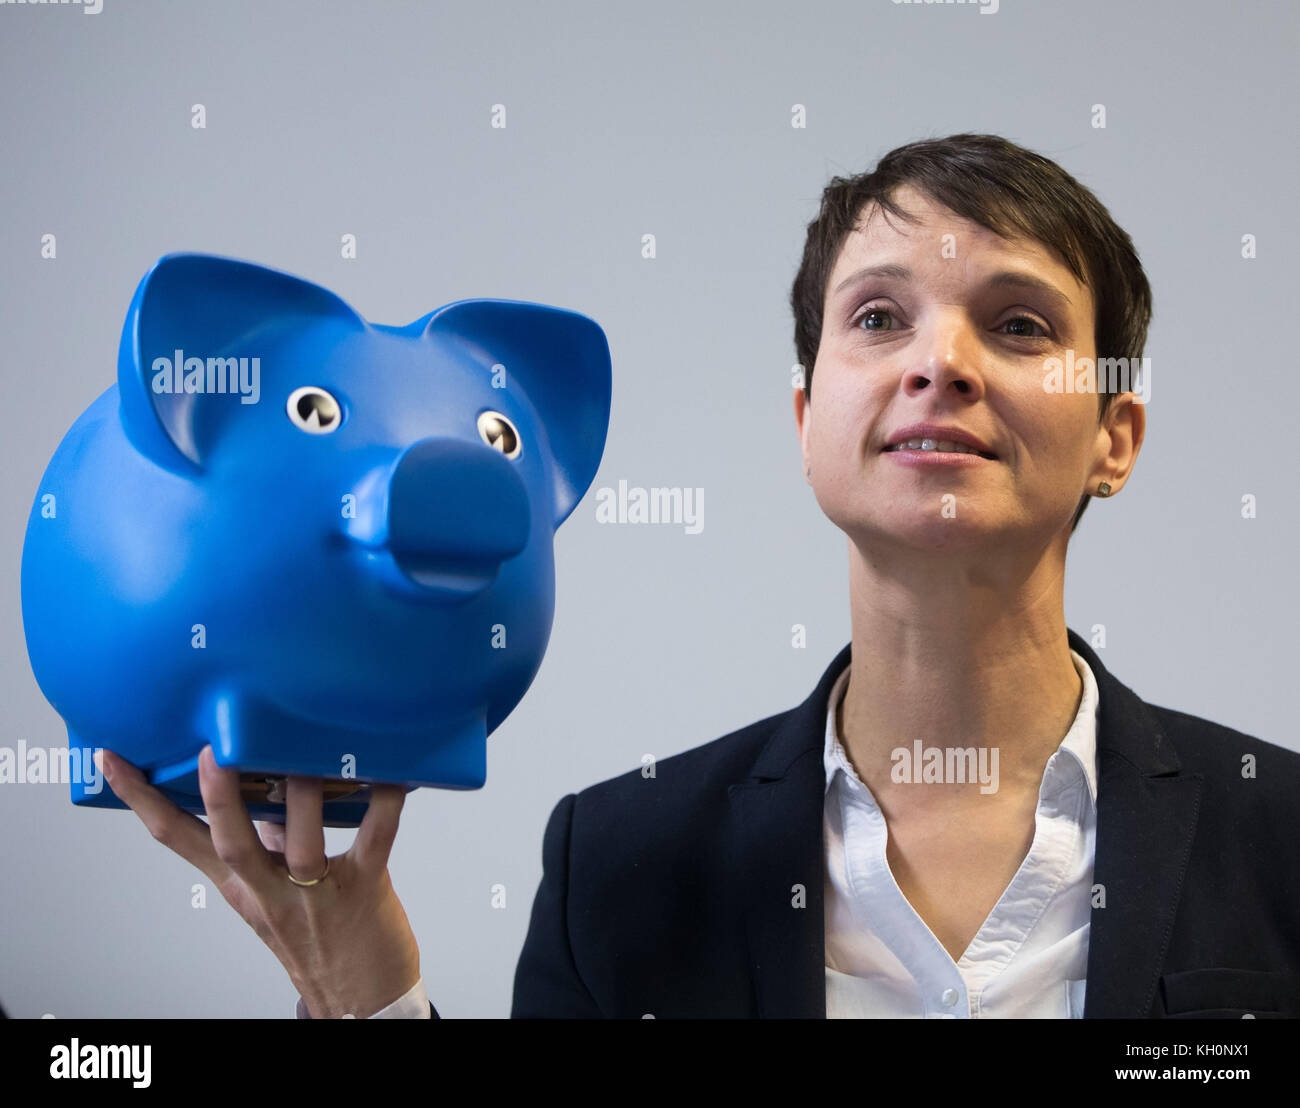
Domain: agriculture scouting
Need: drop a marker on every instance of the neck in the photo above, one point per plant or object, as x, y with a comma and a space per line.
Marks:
956, 653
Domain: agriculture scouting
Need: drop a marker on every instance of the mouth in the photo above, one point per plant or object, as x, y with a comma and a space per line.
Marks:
421, 576
939, 447
438, 576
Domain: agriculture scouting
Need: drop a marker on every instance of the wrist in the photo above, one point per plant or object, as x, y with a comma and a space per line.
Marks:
356, 1004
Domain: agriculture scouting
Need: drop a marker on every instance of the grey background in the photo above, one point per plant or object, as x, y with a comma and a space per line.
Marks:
671, 118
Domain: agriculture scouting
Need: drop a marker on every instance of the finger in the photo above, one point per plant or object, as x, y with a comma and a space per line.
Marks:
374, 841
304, 828
233, 837
272, 835
178, 830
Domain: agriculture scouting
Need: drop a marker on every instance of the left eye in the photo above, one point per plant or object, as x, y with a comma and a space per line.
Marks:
499, 433
1031, 322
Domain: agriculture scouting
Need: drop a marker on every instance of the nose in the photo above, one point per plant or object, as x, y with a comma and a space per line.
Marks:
949, 360
455, 506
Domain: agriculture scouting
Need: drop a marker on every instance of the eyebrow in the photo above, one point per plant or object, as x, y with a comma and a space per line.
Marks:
1007, 278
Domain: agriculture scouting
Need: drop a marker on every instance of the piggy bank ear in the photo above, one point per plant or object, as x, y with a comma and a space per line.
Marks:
204, 307
561, 360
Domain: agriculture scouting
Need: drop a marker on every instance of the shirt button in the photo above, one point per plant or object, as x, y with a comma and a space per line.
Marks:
949, 997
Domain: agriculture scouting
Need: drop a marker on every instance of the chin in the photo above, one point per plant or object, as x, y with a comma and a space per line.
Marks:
927, 531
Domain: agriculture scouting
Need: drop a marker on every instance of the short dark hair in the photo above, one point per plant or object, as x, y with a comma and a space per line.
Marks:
991, 181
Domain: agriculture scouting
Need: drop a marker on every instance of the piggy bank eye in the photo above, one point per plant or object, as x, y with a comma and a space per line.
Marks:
499, 433
314, 410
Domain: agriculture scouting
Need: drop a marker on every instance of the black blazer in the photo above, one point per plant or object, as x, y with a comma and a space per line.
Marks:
677, 895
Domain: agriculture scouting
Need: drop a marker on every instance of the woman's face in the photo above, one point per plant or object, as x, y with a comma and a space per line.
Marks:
955, 332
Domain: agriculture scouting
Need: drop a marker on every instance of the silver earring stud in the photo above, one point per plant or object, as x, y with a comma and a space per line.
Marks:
1103, 489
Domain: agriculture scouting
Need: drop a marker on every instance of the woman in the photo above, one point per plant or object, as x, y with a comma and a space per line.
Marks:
968, 816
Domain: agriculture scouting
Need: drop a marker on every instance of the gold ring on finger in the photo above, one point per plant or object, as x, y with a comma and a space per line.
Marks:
315, 881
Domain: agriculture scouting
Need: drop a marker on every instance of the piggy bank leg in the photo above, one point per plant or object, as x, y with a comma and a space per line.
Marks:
89, 789
266, 744
255, 736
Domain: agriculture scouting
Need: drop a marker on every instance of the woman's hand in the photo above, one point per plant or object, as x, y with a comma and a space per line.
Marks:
346, 943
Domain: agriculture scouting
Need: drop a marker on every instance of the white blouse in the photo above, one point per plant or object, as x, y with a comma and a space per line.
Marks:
1030, 956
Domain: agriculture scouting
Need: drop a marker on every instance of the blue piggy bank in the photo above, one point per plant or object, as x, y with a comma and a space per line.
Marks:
322, 545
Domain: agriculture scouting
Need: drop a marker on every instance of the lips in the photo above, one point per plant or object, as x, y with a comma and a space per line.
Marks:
938, 432
939, 446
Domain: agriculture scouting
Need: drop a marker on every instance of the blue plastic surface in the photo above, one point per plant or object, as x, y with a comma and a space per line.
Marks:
358, 585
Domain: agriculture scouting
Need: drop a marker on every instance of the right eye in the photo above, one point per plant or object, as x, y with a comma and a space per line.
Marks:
314, 410
873, 312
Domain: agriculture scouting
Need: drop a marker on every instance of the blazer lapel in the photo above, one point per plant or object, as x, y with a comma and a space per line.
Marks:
1146, 818
776, 826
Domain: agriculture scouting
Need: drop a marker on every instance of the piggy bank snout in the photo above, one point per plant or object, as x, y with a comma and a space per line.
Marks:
455, 506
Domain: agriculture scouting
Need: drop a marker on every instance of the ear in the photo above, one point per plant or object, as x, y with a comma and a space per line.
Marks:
208, 307
561, 360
